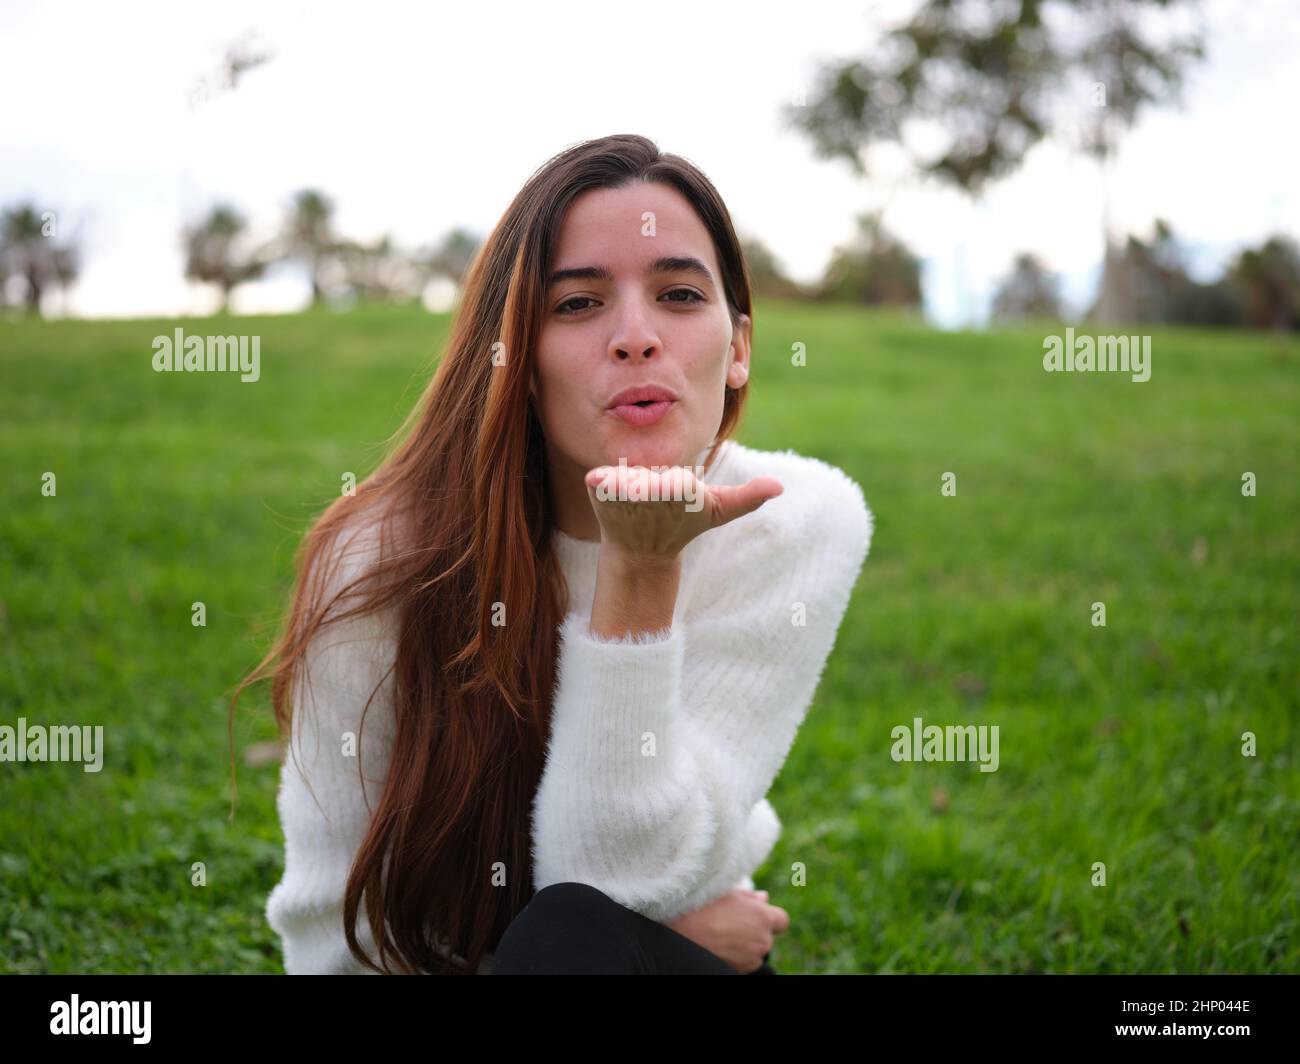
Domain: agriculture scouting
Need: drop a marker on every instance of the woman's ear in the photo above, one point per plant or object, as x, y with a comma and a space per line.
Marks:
738, 368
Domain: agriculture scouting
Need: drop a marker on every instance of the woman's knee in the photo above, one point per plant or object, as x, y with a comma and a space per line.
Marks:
566, 927
573, 905
580, 896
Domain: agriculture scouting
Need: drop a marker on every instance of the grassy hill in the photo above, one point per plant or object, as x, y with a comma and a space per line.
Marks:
1119, 744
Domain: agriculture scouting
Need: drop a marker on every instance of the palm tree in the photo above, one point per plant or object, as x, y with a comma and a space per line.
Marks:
28, 250
308, 236
213, 252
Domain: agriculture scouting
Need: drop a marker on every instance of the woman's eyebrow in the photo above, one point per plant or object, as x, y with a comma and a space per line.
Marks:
663, 264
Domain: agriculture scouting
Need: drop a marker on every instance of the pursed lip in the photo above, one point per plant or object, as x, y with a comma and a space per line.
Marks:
642, 393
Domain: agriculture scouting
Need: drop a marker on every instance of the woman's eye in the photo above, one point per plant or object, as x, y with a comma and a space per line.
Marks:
567, 307
576, 299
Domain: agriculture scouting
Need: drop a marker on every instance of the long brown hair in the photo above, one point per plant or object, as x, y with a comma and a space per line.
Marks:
469, 483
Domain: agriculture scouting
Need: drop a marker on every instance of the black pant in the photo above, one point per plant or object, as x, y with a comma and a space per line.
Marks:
576, 929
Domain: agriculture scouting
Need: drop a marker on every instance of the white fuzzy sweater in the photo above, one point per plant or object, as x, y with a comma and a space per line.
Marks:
663, 746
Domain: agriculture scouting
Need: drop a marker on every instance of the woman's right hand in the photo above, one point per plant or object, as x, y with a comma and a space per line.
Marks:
739, 927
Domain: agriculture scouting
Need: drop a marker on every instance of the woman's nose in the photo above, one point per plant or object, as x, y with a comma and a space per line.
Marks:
635, 338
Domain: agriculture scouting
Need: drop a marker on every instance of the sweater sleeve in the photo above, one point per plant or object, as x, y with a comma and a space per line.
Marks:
330, 780
663, 743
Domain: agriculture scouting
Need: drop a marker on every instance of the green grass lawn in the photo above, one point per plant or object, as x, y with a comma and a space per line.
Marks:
1118, 744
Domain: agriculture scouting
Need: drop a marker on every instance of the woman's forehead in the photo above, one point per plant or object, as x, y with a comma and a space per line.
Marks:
631, 228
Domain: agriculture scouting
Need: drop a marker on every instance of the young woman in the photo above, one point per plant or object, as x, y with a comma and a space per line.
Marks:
587, 621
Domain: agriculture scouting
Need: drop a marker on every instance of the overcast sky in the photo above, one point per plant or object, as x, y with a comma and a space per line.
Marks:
418, 119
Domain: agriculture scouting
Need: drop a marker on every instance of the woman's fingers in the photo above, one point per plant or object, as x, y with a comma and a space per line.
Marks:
732, 502
639, 484
670, 507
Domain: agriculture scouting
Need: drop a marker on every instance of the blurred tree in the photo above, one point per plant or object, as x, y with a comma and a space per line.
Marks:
30, 251
360, 267
966, 87
990, 77
216, 252
237, 59
379, 271
1216, 303
765, 274
1150, 281
1028, 293
308, 237
874, 267
65, 262
451, 257
1267, 282
242, 56
1130, 70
